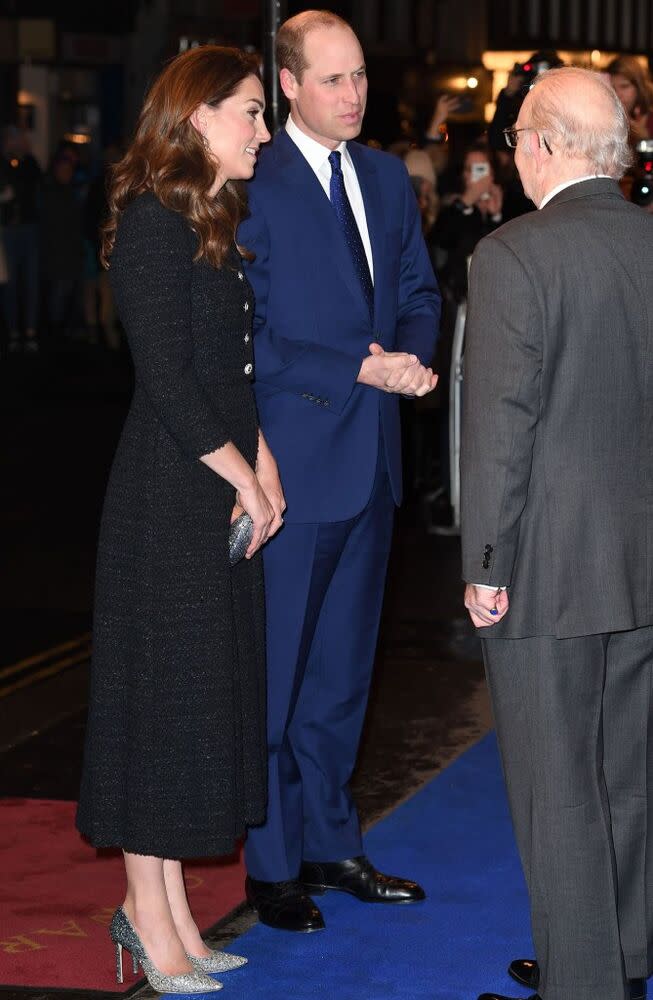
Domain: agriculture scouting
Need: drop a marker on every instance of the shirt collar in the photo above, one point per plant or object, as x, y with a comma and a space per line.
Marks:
314, 152
561, 187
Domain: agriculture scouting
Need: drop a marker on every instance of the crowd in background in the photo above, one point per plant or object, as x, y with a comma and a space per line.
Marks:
54, 289
465, 196
52, 285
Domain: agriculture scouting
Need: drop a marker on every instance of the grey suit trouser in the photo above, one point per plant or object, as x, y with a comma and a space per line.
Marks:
575, 730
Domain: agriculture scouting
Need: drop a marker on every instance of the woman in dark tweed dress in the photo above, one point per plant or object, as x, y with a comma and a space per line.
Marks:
175, 758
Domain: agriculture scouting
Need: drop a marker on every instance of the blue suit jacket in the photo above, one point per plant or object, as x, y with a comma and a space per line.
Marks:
312, 327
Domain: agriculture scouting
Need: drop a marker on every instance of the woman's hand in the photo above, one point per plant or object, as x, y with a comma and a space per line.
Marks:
447, 105
228, 462
493, 204
476, 192
267, 474
253, 501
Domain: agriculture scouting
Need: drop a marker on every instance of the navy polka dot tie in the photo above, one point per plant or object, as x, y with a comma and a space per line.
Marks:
345, 215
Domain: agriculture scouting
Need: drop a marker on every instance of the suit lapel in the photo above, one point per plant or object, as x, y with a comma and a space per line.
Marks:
295, 171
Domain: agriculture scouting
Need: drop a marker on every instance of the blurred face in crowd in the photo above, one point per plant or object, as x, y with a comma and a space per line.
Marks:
234, 131
626, 92
329, 102
472, 164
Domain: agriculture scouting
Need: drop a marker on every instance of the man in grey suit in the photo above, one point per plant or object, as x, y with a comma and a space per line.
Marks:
557, 532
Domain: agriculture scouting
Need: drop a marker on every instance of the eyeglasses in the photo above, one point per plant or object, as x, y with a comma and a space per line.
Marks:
512, 135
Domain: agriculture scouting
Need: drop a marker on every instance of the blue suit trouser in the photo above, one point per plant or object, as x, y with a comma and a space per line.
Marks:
324, 592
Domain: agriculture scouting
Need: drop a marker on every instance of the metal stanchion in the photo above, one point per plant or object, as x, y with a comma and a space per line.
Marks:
455, 423
275, 13
455, 411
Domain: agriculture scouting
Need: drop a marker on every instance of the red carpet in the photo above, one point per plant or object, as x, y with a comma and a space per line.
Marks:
57, 897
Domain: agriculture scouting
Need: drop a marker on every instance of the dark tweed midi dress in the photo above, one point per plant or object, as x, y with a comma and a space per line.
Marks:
175, 756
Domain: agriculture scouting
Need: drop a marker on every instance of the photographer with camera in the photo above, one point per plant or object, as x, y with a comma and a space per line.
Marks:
476, 211
509, 102
510, 99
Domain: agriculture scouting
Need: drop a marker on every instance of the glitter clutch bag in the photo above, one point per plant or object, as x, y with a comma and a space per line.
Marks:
240, 535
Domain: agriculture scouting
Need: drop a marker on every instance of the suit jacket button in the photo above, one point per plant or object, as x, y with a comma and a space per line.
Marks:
246, 306
248, 369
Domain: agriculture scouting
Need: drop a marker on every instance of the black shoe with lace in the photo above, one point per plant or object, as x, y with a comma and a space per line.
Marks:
283, 905
359, 877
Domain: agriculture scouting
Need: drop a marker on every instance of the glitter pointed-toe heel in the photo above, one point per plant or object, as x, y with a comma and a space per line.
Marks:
124, 935
217, 961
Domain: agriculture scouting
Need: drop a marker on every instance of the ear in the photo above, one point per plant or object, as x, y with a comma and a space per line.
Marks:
288, 84
198, 120
538, 152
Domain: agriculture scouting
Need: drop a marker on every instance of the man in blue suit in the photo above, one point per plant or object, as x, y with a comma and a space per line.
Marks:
347, 312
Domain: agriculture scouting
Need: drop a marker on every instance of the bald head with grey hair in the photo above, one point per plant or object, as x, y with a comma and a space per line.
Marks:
584, 117
571, 125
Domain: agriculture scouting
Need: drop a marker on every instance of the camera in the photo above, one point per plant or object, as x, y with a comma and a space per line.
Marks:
479, 170
642, 190
529, 70
538, 63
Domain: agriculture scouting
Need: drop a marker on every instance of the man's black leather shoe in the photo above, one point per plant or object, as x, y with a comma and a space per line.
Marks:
283, 905
359, 877
526, 972
500, 996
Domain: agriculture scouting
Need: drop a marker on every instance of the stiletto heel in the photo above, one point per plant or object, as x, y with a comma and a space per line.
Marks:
124, 935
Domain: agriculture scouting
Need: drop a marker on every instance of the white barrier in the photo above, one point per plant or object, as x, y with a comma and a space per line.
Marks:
455, 410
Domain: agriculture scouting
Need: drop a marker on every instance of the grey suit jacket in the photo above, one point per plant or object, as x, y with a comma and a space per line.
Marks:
557, 447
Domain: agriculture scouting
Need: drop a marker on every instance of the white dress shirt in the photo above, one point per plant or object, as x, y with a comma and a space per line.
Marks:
317, 157
566, 184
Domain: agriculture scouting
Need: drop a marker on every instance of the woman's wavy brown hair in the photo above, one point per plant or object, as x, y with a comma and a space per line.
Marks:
168, 156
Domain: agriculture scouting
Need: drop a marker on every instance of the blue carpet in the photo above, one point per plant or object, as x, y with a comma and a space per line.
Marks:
455, 838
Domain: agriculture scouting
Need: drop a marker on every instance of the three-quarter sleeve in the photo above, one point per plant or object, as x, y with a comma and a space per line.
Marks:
151, 274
